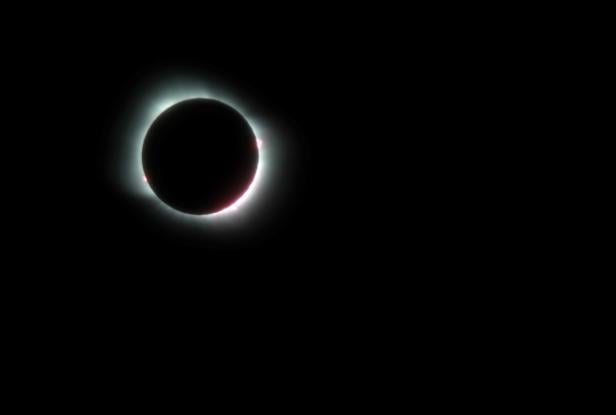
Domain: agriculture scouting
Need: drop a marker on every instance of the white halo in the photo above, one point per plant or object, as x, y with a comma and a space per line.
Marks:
153, 101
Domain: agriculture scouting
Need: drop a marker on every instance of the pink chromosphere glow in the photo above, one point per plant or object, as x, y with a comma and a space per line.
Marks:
235, 206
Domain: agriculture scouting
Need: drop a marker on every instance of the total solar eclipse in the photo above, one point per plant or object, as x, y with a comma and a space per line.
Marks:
200, 156
192, 150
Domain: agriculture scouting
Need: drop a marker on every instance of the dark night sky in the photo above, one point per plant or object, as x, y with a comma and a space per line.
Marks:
400, 217
82, 221
387, 199
412, 247
375, 174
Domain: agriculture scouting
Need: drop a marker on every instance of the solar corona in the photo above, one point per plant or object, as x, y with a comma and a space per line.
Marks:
198, 153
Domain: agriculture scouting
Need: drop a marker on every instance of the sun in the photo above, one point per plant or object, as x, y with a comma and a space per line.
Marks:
151, 102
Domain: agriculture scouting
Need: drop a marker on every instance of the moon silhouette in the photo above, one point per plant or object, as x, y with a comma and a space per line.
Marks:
200, 156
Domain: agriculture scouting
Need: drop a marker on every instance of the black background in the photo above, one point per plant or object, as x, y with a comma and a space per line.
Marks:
408, 239
392, 203
379, 185
329, 265
92, 241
